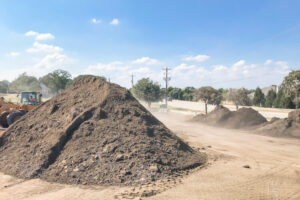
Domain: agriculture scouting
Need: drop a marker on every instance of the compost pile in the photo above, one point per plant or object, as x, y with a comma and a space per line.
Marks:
242, 118
215, 117
288, 127
94, 132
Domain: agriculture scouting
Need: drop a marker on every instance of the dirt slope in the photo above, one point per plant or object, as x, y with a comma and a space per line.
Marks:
93, 133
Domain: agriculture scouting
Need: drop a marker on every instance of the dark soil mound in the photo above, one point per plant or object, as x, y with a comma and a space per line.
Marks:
93, 133
244, 118
215, 117
288, 127
221, 116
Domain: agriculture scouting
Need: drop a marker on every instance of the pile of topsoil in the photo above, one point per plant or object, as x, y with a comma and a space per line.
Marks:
94, 132
221, 116
288, 127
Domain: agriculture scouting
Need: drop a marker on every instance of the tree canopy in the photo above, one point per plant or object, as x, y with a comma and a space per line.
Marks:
239, 97
147, 90
259, 98
291, 86
291, 82
56, 80
4, 86
25, 83
271, 96
208, 95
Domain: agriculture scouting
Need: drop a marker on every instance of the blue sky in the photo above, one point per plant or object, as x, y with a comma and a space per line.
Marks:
216, 42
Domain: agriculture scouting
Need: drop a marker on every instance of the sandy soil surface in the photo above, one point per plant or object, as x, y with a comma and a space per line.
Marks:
273, 170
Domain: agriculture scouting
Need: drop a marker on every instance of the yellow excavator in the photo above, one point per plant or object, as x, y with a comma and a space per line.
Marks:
11, 112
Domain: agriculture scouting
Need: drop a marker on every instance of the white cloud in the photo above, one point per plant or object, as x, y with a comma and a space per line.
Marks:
120, 72
267, 62
96, 21
46, 48
220, 68
52, 61
13, 54
44, 36
198, 58
239, 74
146, 61
113, 66
31, 33
115, 22
39, 67
40, 36
184, 66
140, 70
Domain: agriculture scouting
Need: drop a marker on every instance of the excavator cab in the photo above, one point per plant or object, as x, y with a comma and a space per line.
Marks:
31, 98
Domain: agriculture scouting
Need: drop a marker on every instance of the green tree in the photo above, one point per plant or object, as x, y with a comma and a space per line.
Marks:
188, 93
25, 83
283, 101
271, 96
224, 93
288, 103
259, 98
291, 86
239, 97
208, 95
176, 93
147, 90
279, 99
4, 86
56, 80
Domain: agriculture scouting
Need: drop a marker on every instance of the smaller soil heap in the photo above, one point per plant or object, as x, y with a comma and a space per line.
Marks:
242, 118
94, 132
288, 127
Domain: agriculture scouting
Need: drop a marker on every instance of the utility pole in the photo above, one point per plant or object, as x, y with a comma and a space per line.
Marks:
132, 83
167, 79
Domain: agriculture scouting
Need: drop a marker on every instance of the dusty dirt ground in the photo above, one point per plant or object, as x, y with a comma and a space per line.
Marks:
240, 166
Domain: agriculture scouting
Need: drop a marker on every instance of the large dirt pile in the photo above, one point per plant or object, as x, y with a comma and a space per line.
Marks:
242, 118
93, 133
288, 127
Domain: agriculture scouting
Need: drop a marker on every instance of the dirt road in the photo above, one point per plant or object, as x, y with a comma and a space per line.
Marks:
274, 171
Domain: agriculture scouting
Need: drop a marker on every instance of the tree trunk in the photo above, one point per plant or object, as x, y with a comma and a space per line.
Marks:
237, 107
206, 108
